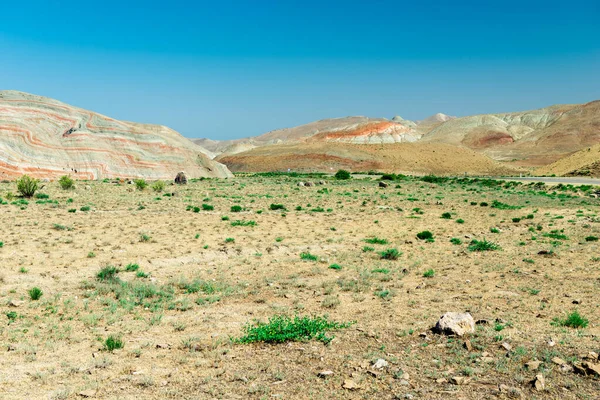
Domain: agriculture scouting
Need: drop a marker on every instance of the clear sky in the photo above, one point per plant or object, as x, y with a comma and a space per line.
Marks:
229, 69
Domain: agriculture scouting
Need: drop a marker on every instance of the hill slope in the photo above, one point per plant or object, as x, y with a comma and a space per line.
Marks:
431, 158
585, 162
530, 138
46, 138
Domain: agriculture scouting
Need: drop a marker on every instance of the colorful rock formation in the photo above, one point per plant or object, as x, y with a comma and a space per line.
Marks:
45, 138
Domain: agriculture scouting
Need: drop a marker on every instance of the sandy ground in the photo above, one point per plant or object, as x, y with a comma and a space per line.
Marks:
177, 340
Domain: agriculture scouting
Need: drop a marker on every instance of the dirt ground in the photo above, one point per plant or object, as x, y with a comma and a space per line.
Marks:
201, 280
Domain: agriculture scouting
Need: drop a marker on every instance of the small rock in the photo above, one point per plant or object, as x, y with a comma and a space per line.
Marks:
349, 384
558, 361
566, 368
441, 380
458, 380
163, 345
87, 393
454, 323
506, 346
383, 185
308, 184
325, 374
301, 184
380, 364
592, 356
539, 383
16, 303
404, 382
551, 342
533, 365
577, 301
468, 345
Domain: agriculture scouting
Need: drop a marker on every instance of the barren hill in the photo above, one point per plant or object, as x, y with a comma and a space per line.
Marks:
585, 162
46, 138
360, 130
427, 158
530, 138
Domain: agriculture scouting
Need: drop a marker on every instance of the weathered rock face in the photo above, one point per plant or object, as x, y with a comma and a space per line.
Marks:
45, 138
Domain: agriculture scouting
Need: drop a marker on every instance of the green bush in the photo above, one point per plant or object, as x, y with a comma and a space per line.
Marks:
446, 215
236, 208
483, 245
35, 293
390, 254
27, 186
429, 273
113, 343
376, 240
66, 182
425, 235
158, 186
280, 329
587, 239
108, 274
275, 207
308, 257
207, 207
455, 241
140, 184
342, 174
335, 266
573, 320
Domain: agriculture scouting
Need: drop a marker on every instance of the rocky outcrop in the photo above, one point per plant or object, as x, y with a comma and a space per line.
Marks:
45, 138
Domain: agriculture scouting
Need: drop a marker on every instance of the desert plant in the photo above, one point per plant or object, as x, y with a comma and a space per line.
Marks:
306, 256
236, 208
335, 266
140, 184
66, 182
275, 207
27, 186
158, 186
108, 274
446, 215
390, 254
483, 245
425, 235
207, 207
280, 329
587, 239
573, 320
376, 240
132, 267
113, 343
429, 273
342, 174
35, 293
455, 241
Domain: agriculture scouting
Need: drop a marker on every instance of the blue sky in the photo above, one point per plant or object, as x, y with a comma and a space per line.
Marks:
234, 69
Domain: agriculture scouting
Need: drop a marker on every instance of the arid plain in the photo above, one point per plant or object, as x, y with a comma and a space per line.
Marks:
146, 294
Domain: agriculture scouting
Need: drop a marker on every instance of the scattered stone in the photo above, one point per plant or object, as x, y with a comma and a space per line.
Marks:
487, 360
380, 364
566, 368
321, 182
441, 380
349, 384
383, 185
16, 303
325, 374
308, 184
181, 179
577, 301
592, 369
88, 393
592, 356
404, 382
539, 383
301, 184
163, 346
468, 345
454, 323
511, 391
482, 322
551, 342
506, 346
533, 365
558, 361
458, 380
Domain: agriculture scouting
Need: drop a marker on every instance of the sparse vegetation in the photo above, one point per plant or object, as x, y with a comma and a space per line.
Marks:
27, 186
66, 182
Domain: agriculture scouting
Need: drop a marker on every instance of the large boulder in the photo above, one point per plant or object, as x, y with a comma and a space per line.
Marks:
454, 323
181, 179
